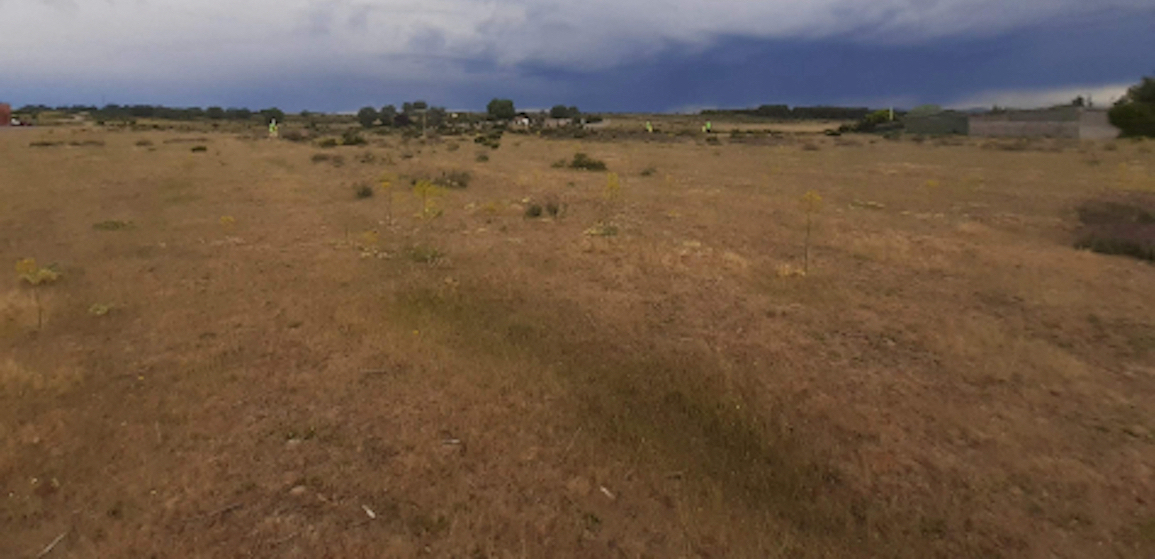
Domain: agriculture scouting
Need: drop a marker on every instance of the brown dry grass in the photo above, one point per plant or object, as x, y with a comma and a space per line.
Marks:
950, 380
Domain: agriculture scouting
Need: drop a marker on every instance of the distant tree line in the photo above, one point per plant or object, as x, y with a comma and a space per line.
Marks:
411, 113
130, 112
785, 112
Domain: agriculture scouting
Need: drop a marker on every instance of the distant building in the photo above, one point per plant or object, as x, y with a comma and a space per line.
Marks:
5, 114
1060, 122
938, 123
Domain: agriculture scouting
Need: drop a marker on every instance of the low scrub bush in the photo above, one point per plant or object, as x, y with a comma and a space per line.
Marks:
453, 179
352, 138
363, 191
587, 163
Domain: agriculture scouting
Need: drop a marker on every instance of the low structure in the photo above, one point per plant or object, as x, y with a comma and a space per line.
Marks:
5, 114
937, 123
1061, 122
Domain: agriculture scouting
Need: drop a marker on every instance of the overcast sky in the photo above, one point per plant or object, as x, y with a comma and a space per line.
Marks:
601, 55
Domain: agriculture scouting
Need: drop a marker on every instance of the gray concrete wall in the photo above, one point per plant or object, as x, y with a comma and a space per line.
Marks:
1064, 122
1022, 129
1094, 125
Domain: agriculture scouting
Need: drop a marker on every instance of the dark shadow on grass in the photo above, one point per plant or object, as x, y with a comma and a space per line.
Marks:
665, 399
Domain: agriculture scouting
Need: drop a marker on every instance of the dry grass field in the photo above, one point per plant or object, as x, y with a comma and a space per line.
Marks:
243, 358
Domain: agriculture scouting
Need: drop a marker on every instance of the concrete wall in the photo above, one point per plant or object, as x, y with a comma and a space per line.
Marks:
1094, 125
937, 124
1065, 122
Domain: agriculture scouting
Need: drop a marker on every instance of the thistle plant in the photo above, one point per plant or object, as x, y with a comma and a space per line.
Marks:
428, 193
811, 203
386, 185
35, 276
613, 190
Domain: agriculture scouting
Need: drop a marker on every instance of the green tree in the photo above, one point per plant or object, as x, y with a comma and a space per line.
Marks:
387, 114
271, 113
501, 109
215, 113
1134, 114
559, 111
367, 116
420, 105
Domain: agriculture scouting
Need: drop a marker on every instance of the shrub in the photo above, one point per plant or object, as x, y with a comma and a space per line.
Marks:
559, 164
199, 149
144, 143
452, 146
585, 162
423, 254
352, 138
363, 191
553, 207
453, 179
482, 158
533, 211
328, 143
1135, 113
294, 136
649, 171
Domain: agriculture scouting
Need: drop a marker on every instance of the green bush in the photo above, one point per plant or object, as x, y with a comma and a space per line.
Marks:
352, 138
1135, 120
585, 162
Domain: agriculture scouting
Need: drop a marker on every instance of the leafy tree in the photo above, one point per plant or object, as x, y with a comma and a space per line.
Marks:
367, 116
215, 113
1134, 114
1078, 102
387, 114
238, 114
407, 108
435, 116
559, 111
271, 113
501, 109
420, 105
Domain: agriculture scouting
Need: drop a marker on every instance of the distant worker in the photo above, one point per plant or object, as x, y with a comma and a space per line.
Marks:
273, 128
709, 127
649, 127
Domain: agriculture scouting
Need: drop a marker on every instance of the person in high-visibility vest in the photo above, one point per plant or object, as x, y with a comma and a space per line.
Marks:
649, 127
709, 126
273, 128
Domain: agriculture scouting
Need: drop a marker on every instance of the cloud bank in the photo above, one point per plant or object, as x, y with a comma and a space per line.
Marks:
166, 46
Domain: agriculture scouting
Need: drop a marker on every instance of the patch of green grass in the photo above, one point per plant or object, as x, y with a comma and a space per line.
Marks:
423, 254
112, 225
